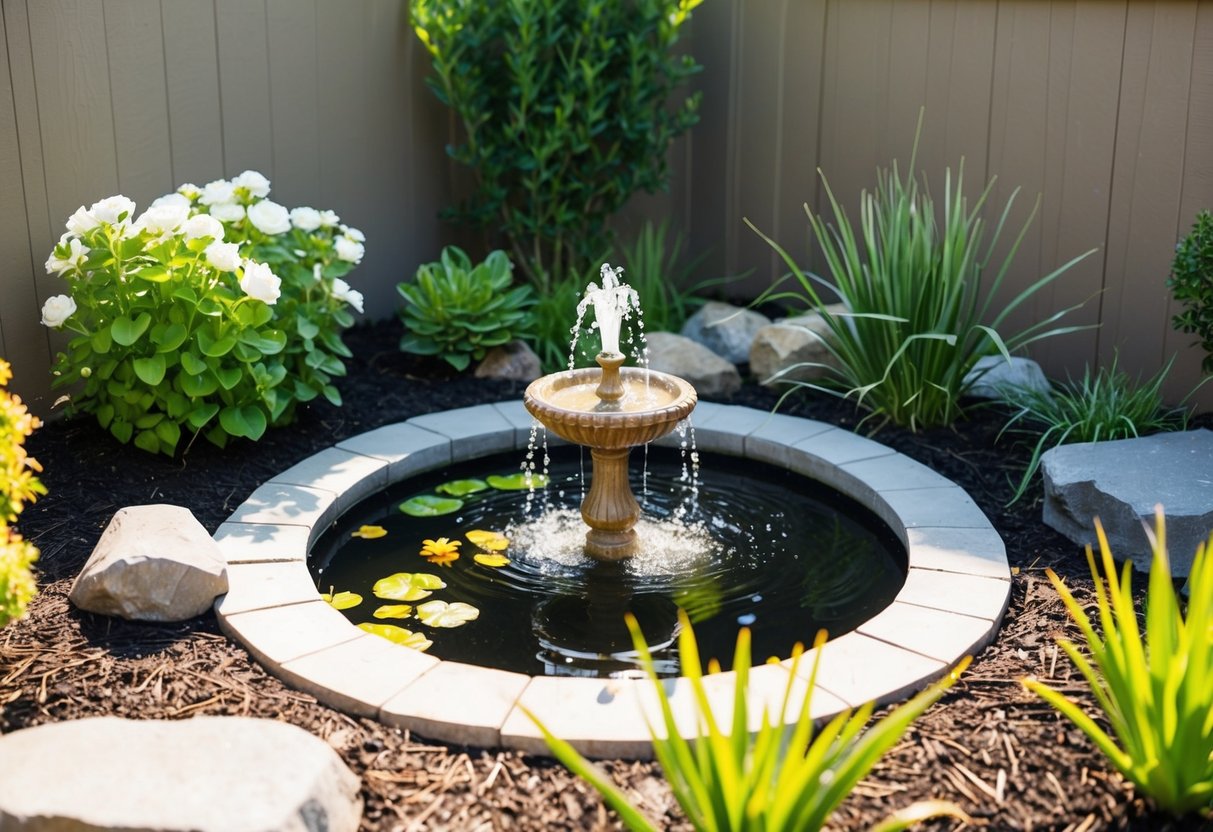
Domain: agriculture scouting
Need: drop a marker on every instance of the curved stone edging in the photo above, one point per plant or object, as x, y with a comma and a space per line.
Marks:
953, 599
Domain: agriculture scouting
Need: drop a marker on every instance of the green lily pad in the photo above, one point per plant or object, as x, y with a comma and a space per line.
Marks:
462, 488
342, 600
391, 632
442, 614
517, 482
394, 611
407, 586
427, 505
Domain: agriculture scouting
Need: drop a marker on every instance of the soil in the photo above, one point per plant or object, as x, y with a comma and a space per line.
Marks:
990, 746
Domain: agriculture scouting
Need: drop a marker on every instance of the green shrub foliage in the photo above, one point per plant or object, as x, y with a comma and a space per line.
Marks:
459, 311
563, 105
1191, 282
18, 487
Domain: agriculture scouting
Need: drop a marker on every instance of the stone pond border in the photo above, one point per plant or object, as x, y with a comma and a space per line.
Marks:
953, 600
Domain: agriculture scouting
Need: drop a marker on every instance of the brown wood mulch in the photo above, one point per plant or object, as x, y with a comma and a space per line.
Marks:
999, 752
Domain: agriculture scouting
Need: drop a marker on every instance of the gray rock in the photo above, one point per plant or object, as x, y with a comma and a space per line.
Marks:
992, 373
793, 349
725, 329
1120, 482
514, 362
707, 372
209, 773
152, 563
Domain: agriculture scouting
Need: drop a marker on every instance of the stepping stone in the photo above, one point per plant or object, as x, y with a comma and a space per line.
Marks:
209, 773
1120, 482
152, 563
725, 329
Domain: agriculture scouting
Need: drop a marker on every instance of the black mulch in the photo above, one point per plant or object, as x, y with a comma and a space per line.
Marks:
996, 750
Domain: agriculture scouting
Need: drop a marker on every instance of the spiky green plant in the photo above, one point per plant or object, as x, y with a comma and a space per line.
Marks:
779, 780
1155, 688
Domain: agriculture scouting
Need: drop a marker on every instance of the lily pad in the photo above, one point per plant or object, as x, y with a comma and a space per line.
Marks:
407, 586
394, 611
391, 632
427, 505
342, 600
489, 541
494, 561
369, 532
461, 488
517, 482
442, 614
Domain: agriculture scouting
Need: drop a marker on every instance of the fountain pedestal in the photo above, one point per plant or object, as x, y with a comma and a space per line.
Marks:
610, 411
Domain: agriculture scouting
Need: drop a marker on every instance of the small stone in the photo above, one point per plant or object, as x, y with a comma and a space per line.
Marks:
725, 329
209, 773
993, 373
1120, 482
513, 362
793, 349
152, 563
706, 371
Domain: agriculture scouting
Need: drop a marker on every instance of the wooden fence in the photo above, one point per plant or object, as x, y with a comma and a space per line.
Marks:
1103, 108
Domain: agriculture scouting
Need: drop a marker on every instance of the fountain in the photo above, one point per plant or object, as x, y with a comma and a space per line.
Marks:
610, 411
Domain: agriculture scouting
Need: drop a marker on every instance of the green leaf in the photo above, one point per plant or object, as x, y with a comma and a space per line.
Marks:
305, 327
332, 394
192, 364
147, 441
229, 377
197, 387
169, 434
202, 414
154, 274
248, 421
461, 488
126, 332
517, 482
427, 505
122, 430
150, 370
101, 341
212, 346
169, 338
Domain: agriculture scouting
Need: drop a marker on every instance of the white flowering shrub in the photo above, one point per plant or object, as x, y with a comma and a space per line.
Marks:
211, 312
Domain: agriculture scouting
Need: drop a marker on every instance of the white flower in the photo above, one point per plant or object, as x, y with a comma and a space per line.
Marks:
75, 256
224, 256
57, 310
317, 272
171, 199
202, 225
81, 222
190, 191
269, 217
348, 250
328, 219
165, 217
260, 283
228, 211
343, 292
306, 219
112, 208
353, 234
218, 192
256, 184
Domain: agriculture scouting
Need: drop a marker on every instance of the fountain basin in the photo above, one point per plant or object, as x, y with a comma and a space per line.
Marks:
951, 604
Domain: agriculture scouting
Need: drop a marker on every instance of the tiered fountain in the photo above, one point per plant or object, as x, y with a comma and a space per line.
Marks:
610, 411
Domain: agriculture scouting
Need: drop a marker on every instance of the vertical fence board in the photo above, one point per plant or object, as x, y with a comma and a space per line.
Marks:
23, 341
294, 105
1148, 175
244, 86
135, 52
1196, 195
192, 79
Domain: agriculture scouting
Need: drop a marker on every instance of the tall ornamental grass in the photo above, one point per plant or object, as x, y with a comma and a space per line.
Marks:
779, 780
921, 291
1155, 687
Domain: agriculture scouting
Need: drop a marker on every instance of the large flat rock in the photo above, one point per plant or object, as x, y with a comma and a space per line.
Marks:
1120, 482
209, 774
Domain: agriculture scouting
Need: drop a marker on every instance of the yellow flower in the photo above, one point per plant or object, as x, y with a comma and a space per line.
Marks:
441, 552
369, 532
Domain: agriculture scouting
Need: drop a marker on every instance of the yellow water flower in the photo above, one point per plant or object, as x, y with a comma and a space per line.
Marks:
492, 560
489, 541
369, 532
441, 552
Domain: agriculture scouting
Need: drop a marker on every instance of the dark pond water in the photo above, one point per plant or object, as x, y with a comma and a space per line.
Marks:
753, 545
